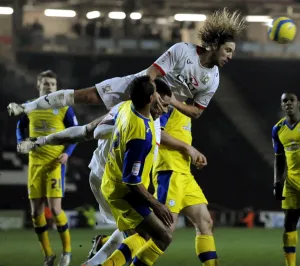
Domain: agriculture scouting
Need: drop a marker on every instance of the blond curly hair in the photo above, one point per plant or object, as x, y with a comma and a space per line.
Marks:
220, 27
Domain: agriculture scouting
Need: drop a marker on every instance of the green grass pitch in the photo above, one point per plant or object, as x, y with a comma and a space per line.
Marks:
235, 247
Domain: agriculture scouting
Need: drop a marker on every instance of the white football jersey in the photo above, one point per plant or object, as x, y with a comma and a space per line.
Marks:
187, 78
97, 164
181, 70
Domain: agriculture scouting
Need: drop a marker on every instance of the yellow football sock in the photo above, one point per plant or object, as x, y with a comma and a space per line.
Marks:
41, 229
61, 222
104, 240
290, 240
206, 250
148, 254
125, 251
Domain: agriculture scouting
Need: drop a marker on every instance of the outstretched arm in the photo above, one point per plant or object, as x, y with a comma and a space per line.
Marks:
57, 99
279, 164
74, 134
100, 128
198, 159
70, 135
279, 160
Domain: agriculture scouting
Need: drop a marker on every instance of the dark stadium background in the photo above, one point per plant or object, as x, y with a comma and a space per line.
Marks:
234, 132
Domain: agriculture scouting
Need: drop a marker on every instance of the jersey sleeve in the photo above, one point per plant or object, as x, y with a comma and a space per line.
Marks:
70, 120
202, 98
277, 145
166, 62
22, 125
134, 159
113, 111
164, 118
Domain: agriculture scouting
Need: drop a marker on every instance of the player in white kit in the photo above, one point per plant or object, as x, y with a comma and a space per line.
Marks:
191, 71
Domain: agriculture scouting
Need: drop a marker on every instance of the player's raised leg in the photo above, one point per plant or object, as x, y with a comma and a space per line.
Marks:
55, 190
103, 246
37, 203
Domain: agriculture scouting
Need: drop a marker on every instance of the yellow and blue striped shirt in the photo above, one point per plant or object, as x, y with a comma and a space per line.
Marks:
43, 123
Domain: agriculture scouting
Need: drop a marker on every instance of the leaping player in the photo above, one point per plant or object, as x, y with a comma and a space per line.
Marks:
191, 71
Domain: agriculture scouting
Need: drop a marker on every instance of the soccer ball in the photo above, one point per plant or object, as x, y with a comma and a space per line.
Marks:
283, 30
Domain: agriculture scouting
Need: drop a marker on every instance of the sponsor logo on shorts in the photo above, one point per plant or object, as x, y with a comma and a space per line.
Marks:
136, 168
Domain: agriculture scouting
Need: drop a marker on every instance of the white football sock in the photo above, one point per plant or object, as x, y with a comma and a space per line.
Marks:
53, 100
108, 248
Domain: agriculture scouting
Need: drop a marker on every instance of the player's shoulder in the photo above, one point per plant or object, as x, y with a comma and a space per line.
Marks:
115, 109
138, 124
216, 70
66, 110
279, 124
184, 47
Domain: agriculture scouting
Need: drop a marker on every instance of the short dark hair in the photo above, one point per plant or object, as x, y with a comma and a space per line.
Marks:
47, 74
162, 88
140, 91
291, 92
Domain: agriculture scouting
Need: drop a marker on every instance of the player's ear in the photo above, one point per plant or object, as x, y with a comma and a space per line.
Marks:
38, 85
152, 98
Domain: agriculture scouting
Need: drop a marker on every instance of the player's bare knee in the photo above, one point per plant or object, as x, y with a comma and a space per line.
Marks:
36, 212
210, 223
204, 226
55, 210
37, 207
